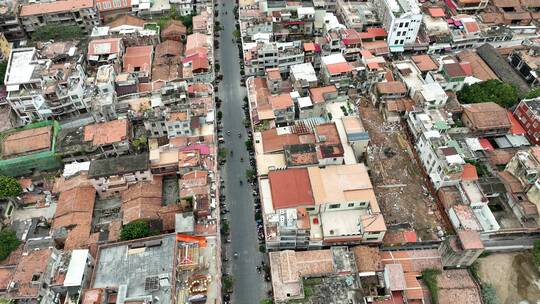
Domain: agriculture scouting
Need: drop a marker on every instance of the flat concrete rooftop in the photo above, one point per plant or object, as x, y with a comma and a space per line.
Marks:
141, 273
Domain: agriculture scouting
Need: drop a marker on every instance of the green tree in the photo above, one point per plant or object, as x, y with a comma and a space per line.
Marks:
250, 174
267, 301
536, 253
3, 69
227, 283
503, 94
236, 34
9, 187
57, 32
532, 94
136, 230
8, 242
488, 294
140, 142
429, 276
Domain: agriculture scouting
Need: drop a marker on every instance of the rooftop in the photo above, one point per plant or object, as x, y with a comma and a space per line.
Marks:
342, 183
30, 264
138, 58
486, 115
107, 132
74, 211
502, 68
282, 101
424, 63
318, 95
118, 166
141, 269
21, 68
290, 188
27, 141
104, 46
391, 87
304, 71
55, 7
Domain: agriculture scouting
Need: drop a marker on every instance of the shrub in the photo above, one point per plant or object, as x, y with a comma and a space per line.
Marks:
8, 243
9, 187
57, 32
136, 230
429, 276
536, 253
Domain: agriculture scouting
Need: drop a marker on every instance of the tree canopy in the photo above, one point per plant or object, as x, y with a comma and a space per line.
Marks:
9, 187
8, 243
3, 69
536, 253
533, 93
57, 32
136, 230
503, 94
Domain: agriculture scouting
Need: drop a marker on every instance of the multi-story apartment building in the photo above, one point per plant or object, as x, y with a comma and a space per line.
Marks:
442, 162
112, 175
183, 7
56, 85
24, 85
260, 56
335, 70
357, 14
81, 13
402, 20
528, 114
527, 63
100, 140
313, 207
283, 108
178, 123
461, 250
467, 6
293, 24
10, 24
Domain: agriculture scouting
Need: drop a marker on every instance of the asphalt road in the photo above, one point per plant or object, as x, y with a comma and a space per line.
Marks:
249, 285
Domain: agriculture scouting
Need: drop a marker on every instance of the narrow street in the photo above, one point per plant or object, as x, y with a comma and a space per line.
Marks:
249, 284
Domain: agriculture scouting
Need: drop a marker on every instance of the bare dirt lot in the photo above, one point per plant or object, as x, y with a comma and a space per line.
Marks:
513, 275
397, 179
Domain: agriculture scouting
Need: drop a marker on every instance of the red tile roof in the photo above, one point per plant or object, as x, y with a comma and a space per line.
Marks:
469, 173
377, 31
272, 142
282, 101
317, 94
290, 188
104, 46
470, 239
55, 7
138, 57
516, 129
107, 132
339, 68
436, 12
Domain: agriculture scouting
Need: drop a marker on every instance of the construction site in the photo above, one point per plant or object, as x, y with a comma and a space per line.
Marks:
399, 185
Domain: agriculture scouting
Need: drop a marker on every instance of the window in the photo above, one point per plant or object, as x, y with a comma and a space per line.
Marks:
310, 209
350, 205
36, 277
401, 24
333, 206
406, 24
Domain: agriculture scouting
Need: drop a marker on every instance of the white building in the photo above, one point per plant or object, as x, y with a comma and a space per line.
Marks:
24, 85
402, 20
183, 7
432, 95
